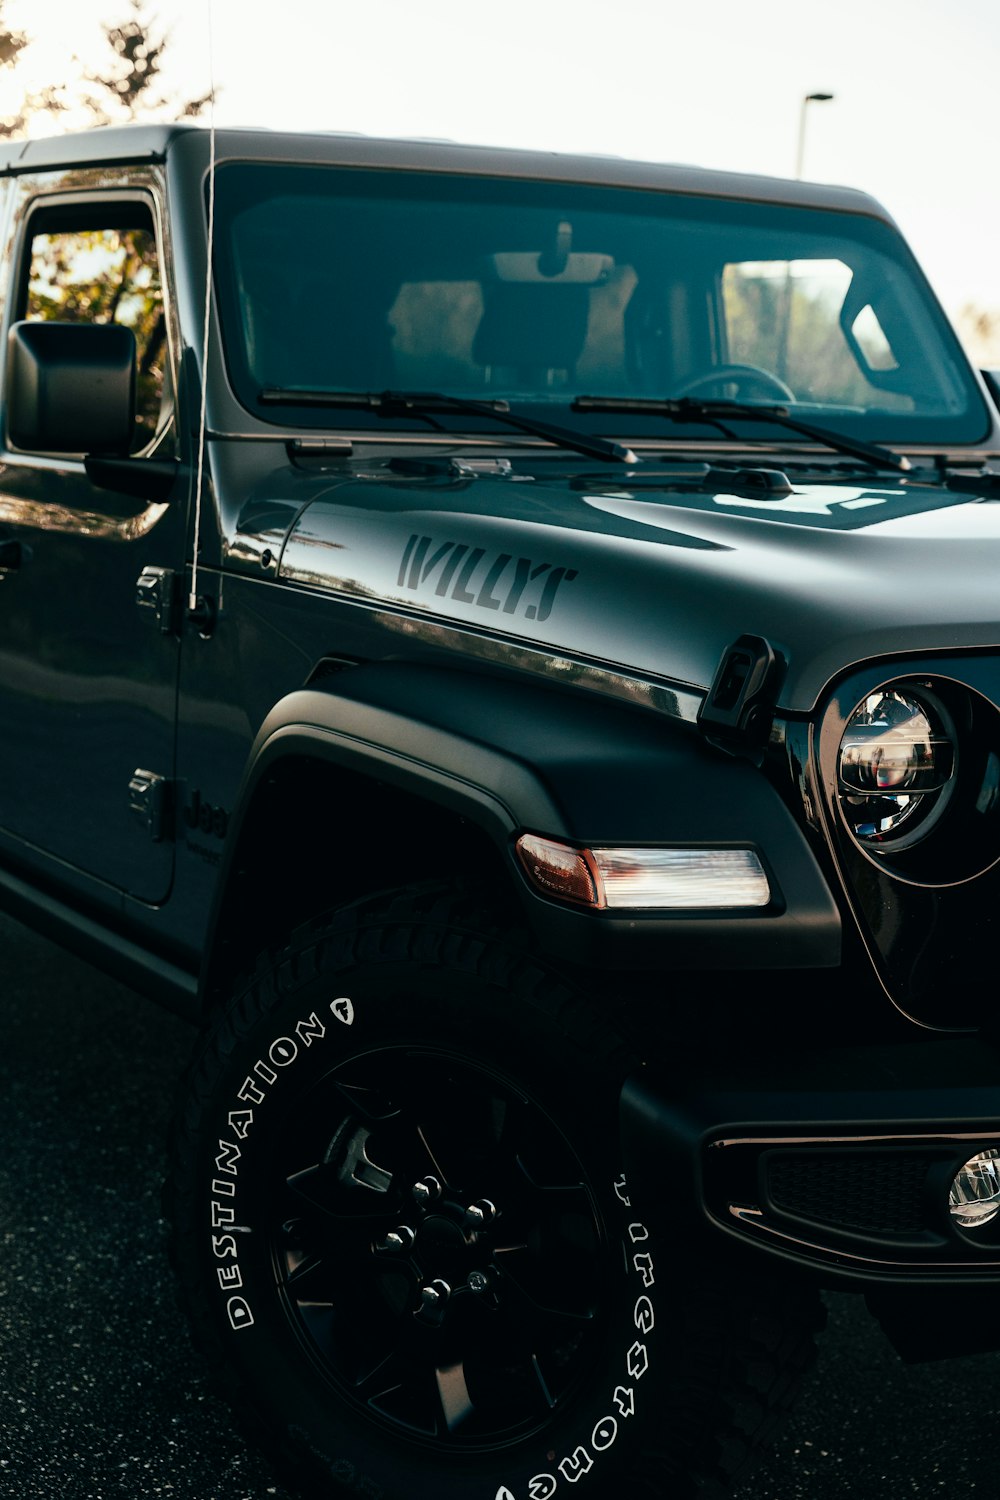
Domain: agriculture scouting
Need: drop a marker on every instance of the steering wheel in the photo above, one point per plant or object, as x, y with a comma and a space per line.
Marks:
751, 379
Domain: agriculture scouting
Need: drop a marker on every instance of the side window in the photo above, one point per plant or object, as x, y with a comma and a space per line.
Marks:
99, 264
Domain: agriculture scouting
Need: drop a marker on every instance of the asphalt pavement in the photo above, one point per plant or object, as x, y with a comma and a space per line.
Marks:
869, 1427
102, 1393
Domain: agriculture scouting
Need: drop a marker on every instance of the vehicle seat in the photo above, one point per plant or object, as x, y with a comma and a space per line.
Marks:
531, 334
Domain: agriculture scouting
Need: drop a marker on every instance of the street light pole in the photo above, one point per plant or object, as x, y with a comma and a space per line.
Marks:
801, 153
785, 302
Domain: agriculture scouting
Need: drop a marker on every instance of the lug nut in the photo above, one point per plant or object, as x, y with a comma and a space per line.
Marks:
397, 1240
433, 1299
427, 1190
479, 1282
479, 1214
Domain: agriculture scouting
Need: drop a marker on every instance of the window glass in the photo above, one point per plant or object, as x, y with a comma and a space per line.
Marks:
872, 342
106, 276
335, 280
788, 317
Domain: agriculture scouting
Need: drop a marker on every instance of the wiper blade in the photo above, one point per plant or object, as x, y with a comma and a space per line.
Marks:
423, 403
687, 409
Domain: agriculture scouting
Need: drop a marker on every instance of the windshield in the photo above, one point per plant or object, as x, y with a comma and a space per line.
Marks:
340, 279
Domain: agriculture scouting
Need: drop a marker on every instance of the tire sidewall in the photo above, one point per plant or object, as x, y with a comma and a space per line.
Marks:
282, 1038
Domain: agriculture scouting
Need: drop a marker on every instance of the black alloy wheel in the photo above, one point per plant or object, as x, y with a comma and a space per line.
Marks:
437, 1247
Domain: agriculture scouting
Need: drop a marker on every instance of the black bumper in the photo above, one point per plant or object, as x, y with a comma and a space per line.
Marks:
838, 1163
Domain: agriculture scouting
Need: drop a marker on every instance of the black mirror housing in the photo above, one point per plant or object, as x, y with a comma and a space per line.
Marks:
71, 387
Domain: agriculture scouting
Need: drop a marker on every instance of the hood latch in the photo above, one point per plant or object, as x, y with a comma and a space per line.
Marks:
739, 709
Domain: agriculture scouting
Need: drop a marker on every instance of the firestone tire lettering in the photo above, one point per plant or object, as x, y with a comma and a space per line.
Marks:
645, 1319
542, 1487
577, 1465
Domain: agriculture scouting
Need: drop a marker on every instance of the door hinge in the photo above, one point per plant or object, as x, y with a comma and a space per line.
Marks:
156, 596
149, 801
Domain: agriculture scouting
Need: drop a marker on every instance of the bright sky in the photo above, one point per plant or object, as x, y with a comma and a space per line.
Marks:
720, 84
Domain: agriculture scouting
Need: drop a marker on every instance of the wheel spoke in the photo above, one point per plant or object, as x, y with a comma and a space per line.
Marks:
365, 1135
394, 1142
322, 1278
371, 1104
503, 1366
548, 1399
536, 1311
307, 1279
401, 1381
320, 1189
465, 1142
453, 1393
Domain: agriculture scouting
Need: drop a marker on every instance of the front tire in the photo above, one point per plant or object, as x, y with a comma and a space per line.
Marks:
406, 1241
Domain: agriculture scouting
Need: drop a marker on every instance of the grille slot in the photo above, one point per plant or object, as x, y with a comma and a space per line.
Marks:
866, 1191
329, 666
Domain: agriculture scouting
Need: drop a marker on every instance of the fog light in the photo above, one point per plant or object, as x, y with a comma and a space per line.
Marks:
646, 879
975, 1193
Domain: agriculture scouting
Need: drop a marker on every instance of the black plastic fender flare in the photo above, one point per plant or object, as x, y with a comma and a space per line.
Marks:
514, 757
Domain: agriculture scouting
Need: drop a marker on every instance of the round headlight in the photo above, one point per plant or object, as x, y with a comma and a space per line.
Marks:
895, 767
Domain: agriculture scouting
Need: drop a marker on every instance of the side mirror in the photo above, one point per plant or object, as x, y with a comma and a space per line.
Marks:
71, 387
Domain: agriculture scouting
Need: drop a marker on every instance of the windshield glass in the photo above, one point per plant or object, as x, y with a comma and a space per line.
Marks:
341, 279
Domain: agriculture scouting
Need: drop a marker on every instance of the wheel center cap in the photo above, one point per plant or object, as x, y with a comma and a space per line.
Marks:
441, 1233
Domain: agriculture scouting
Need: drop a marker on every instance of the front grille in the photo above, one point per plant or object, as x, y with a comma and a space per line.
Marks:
866, 1191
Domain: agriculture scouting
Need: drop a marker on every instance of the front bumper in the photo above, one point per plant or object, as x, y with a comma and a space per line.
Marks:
837, 1162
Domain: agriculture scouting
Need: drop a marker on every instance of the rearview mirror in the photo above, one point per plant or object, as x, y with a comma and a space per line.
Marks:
558, 264
577, 268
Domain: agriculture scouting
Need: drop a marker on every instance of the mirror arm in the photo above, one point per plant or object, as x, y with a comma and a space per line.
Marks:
143, 478
992, 379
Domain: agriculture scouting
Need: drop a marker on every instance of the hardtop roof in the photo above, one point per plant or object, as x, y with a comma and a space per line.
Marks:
153, 142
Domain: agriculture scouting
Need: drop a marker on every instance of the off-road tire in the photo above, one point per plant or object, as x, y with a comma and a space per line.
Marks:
402, 1135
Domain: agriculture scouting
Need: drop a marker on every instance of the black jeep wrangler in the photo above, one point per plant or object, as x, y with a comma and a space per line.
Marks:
510, 645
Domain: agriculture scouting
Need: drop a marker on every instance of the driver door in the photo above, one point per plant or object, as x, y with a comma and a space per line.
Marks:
88, 682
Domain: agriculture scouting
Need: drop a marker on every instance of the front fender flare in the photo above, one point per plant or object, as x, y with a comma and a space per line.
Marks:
513, 757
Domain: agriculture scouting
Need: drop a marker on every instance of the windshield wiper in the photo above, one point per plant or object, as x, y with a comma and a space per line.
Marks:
687, 409
424, 403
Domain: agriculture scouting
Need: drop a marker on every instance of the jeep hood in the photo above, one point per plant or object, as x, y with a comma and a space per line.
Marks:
657, 579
